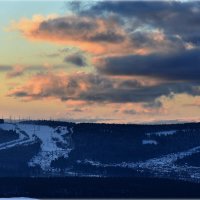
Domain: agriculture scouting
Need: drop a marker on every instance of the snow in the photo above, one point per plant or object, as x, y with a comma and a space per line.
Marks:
15, 143
57, 142
49, 137
17, 198
163, 133
63, 131
159, 167
7, 126
49, 148
23, 139
44, 133
91, 162
149, 142
165, 165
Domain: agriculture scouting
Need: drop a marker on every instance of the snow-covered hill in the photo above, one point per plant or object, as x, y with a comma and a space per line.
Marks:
64, 149
51, 140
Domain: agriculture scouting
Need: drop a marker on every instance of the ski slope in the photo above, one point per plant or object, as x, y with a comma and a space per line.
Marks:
49, 138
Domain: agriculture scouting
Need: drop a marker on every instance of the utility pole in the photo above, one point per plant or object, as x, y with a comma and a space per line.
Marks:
34, 129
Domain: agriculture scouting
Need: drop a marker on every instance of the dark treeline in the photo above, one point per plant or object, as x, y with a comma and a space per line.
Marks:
6, 136
50, 123
14, 161
118, 127
76, 187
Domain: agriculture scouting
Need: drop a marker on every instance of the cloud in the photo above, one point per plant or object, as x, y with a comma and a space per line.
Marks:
152, 44
20, 70
93, 35
180, 66
89, 120
130, 112
175, 19
181, 18
96, 88
5, 68
77, 110
16, 71
85, 29
103, 35
76, 59
110, 27
150, 10
127, 41
155, 104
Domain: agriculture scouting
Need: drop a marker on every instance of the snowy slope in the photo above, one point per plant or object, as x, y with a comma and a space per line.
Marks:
49, 138
162, 133
92, 148
154, 142
49, 148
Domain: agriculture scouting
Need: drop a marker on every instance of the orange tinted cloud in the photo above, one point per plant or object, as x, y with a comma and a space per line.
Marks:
99, 36
95, 88
89, 34
15, 72
60, 86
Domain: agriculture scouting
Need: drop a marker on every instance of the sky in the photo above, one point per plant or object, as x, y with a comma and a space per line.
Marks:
100, 61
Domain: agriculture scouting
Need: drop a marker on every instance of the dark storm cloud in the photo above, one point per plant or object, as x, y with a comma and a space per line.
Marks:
148, 39
143, 94
175, 18
180, 66
76, 59
177, 21
125, 8
145, 10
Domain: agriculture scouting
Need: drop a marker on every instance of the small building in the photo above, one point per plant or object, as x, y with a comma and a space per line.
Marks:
1, 121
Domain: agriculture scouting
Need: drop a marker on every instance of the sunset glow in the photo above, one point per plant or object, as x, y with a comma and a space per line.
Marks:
105, 61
